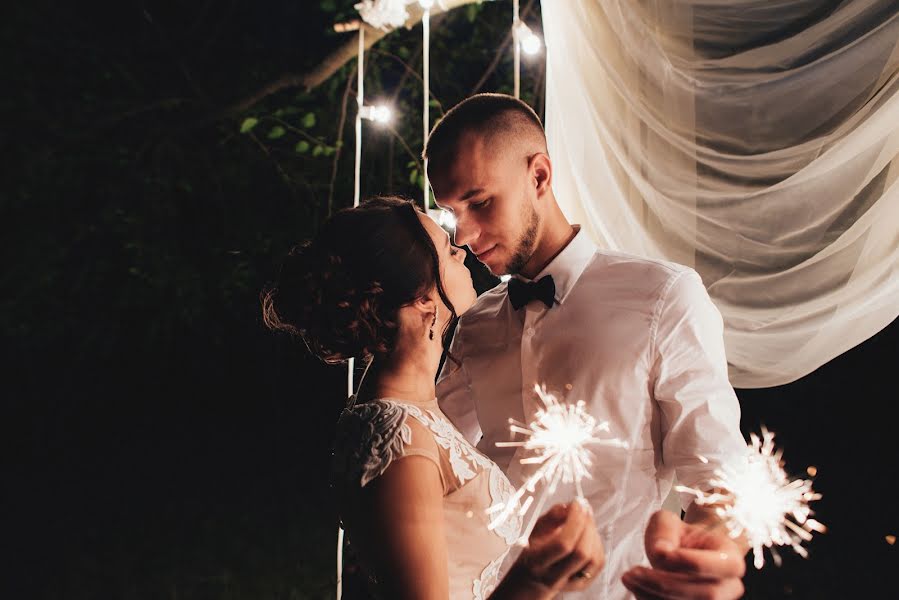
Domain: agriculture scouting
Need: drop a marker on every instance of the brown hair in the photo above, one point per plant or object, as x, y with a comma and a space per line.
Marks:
341, 292
488, 114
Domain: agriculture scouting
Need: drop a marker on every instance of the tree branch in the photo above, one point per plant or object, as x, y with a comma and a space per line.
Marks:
331, 63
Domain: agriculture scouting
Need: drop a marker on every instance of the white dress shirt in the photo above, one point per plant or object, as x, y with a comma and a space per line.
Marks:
641, 343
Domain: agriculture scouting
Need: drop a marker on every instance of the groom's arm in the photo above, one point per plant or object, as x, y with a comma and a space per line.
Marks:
454, 392
700, 414
700, 417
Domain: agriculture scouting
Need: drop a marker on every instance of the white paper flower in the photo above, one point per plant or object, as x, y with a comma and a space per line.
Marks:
383, 14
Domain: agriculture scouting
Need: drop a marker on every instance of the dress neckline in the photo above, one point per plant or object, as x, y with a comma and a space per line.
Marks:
352, 401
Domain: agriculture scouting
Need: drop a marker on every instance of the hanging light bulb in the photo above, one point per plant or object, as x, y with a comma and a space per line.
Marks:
530, 41
382, 114
531, 45
379, 114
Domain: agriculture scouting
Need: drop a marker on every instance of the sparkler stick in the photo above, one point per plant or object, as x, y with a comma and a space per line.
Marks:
559, 438
758, 500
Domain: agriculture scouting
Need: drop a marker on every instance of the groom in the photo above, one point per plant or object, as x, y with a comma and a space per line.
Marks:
638, 340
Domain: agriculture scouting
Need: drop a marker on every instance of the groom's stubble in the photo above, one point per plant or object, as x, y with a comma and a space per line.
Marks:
524, 246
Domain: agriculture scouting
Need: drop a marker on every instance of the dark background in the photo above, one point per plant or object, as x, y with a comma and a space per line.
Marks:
157, 441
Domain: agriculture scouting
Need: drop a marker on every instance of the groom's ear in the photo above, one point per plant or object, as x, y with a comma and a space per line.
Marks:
541, 172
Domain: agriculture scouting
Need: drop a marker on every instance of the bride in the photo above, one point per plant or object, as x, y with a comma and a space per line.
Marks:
381, 282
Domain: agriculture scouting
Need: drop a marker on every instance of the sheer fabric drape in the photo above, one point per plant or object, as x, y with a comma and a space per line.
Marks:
754, 140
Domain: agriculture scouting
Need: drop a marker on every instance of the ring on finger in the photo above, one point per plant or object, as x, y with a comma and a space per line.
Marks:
583, 574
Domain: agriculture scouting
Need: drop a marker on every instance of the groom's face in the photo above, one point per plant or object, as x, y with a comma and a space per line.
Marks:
488, 191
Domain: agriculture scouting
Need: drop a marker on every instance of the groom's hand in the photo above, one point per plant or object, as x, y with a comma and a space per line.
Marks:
689, 560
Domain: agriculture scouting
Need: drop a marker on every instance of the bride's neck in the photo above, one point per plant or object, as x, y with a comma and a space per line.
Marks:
402, 377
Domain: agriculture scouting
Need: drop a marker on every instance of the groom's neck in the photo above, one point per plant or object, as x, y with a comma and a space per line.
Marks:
555, 235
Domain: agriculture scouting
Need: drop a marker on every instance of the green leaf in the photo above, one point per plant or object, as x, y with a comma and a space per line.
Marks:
328, 6
308, 120
248, 124
276, 132
413, 176
403, 52
317, 151
329, 150
433, 103
302, 147
471, 11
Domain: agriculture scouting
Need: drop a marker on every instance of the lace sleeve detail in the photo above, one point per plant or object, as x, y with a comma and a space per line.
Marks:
370, 437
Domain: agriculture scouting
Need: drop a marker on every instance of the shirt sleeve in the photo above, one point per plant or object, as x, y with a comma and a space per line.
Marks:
700, 414
454, 392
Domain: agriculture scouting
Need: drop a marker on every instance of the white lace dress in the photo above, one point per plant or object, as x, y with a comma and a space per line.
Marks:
372, 435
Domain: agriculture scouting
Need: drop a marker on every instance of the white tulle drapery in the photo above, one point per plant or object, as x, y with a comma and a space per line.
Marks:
754, 140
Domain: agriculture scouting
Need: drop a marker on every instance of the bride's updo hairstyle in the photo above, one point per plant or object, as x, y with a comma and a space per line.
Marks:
342, 291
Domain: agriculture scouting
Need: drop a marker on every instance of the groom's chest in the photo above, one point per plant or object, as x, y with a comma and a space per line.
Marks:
589, 348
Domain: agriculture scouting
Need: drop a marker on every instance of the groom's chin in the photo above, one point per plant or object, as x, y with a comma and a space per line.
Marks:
497, 271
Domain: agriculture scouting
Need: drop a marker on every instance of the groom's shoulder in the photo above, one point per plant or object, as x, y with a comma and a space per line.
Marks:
604, 258
633, 271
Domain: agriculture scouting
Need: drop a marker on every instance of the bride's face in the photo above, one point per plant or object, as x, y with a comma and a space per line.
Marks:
454, 274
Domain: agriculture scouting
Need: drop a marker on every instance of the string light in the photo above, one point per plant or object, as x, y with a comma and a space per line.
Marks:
425, 96
530, 42
379, 114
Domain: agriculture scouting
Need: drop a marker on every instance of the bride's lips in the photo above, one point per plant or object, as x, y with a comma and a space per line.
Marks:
486, 254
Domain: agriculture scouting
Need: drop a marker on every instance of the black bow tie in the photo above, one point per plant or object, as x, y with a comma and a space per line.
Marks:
522, 292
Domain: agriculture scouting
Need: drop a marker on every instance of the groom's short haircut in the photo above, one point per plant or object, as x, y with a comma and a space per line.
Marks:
494, 116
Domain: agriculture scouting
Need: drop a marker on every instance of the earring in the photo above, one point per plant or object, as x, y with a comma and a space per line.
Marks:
434, 322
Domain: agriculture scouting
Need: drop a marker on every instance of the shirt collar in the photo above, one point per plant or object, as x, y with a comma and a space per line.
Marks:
567, 267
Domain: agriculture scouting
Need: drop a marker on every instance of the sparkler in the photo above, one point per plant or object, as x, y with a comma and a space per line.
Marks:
559, 438
758, 500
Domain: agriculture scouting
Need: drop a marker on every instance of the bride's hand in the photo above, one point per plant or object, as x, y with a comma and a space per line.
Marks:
564, 551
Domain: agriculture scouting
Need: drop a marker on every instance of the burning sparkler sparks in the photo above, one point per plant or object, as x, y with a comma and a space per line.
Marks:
558, 438
758, 500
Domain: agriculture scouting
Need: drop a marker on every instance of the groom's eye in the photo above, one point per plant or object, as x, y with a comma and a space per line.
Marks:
482, 204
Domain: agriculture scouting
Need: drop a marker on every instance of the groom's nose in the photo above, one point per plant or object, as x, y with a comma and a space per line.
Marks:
466, 230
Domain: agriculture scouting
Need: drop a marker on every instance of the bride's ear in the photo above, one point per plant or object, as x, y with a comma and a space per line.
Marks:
425, 305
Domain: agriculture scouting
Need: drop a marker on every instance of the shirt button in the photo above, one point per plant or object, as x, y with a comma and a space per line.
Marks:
530, 331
